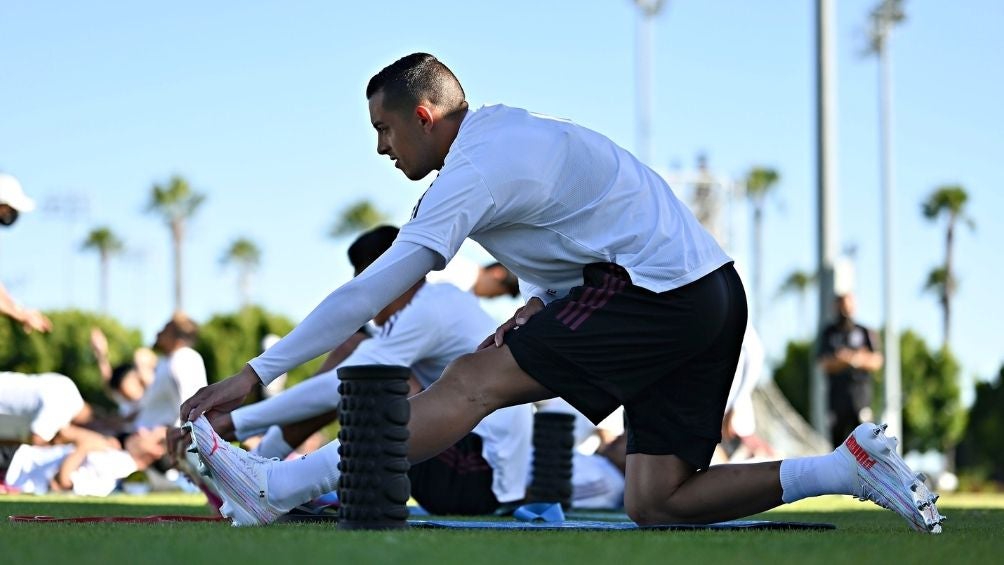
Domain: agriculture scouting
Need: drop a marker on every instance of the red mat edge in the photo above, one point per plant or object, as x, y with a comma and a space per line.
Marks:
115, 519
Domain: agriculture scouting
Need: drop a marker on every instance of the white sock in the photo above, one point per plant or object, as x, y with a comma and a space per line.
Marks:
291, 483
804, 477
273, 444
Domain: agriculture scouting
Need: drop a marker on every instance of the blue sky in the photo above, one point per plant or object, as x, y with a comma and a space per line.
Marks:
261, 106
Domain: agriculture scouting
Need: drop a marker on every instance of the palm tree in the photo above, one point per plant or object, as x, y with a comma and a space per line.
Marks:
358, 217
245, 256
175, 202
940, 286
885, 15
759, 182
798, 283
106, 243
947, 201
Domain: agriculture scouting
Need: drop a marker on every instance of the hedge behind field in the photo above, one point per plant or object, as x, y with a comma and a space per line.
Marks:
226, 342
66, 349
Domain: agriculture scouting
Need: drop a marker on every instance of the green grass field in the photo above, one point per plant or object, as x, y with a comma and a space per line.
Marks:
865, 534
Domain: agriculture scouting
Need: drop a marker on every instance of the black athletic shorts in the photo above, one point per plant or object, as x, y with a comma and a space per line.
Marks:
669, 358
457, 481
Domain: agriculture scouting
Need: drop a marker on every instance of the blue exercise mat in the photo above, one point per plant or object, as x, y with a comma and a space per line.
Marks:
586, 525
547, 516
605, 515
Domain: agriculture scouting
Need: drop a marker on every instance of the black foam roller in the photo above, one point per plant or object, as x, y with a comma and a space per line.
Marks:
553, 440
373, 488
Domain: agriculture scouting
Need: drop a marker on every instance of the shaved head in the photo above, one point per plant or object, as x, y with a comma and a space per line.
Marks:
415, 78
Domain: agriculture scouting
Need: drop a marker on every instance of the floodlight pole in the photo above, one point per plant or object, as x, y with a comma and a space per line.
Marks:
648, 9
826, 177
884, 17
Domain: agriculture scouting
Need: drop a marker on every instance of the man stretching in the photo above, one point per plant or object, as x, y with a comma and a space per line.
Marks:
631, 302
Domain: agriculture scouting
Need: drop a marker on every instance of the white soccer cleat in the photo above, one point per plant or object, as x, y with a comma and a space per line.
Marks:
190, 465
240, 477
885, 479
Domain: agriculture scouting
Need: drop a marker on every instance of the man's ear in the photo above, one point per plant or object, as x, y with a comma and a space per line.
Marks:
424, 114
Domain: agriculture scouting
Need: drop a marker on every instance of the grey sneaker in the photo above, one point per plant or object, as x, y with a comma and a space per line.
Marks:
885, 479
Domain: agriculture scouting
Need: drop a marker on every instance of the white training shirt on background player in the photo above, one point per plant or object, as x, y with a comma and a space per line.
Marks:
440, 324
177, 378
596, 482
33, 467
543, 196
46, 402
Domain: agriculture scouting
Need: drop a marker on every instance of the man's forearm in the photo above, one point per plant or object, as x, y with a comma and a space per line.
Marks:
8, 307
342, 352
346, 309
831, 364
870, 361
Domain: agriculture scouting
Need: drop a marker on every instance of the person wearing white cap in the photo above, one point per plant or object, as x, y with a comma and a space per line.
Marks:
13, 202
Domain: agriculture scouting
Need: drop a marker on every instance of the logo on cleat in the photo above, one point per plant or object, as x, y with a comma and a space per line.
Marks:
859, 453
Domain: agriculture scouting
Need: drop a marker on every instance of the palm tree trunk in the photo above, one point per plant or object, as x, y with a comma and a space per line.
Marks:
177, 236
949, 290
802, 313
103, 255
757, 261
244, 281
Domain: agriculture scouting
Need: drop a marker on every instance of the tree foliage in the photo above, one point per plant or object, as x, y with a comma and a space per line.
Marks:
947, 201
933, 415
104, 241
245, 256
358, 217
759, 182
176, 202
798, 283
983, 446
106, 244
793, 374
66, 350
228, 341
940, 285
243, 253
885, 15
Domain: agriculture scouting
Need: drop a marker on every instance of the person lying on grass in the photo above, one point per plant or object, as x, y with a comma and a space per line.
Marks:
90, 468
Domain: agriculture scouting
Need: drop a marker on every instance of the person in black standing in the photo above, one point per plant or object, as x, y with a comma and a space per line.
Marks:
849, 354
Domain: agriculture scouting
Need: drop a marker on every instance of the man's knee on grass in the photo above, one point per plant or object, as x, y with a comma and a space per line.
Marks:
647, 511
653, 494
